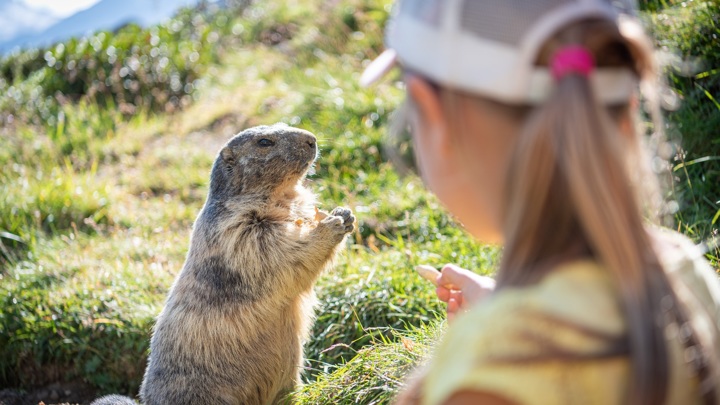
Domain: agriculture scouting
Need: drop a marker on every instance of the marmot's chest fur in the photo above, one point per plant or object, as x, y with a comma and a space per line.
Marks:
235, 319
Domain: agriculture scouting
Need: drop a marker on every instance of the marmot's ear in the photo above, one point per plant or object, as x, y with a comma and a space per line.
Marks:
228, 171
228, 157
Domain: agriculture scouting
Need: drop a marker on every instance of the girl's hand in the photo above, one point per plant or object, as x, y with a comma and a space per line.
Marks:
461, 288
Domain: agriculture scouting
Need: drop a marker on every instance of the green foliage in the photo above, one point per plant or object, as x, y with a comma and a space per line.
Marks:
67, 314
157, 68
656, 5
688, 33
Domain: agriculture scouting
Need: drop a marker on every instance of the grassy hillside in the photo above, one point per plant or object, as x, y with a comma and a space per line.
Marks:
106, 149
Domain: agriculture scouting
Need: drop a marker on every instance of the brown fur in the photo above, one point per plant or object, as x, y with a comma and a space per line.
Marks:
238, 313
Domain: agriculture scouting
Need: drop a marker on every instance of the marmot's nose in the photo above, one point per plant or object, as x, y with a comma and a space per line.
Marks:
301, 137
309, 139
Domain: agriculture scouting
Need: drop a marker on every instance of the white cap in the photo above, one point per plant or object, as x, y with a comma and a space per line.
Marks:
489, 47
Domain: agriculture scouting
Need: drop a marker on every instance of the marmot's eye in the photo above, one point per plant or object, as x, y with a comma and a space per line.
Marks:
265, 142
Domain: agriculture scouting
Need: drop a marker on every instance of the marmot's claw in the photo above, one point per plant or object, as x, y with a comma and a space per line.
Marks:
348, 219
349, 223
341, 212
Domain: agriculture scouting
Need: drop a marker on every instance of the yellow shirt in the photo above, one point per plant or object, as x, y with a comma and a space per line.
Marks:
570, 311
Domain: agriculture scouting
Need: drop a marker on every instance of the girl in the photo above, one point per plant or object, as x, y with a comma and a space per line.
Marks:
523, 121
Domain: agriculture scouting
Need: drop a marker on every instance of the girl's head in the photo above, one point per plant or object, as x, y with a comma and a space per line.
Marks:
477, 72
522, 121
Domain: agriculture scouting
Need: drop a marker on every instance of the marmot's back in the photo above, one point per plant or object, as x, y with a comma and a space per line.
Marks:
235, 319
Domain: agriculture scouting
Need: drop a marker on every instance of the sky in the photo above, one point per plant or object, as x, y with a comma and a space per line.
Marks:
36, 22
59, 8
26, 16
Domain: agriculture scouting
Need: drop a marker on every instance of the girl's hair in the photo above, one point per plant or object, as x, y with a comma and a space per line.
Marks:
575, 180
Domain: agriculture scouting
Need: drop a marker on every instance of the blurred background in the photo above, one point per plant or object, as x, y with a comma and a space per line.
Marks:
32, 23
112, 111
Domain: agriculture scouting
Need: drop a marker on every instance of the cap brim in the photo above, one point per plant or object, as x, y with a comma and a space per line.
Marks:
378, 67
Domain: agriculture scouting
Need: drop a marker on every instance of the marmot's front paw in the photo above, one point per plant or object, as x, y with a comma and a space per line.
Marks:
341, 219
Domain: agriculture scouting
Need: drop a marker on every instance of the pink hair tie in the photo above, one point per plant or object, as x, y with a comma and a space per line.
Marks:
572, 60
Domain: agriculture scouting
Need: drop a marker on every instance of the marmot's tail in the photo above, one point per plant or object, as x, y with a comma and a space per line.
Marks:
114, 400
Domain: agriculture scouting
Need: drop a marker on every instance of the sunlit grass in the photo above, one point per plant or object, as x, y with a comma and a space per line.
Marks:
375, 373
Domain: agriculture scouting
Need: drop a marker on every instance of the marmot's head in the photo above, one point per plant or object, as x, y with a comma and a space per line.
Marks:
262, 159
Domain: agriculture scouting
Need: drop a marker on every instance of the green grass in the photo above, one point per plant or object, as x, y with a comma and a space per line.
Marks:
97, 205
375, 373
687, 33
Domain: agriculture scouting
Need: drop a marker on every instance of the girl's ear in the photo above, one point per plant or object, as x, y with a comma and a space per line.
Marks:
431, 113
627, 122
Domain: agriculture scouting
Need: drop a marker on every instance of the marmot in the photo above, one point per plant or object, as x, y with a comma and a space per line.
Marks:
113, 400
236, 317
